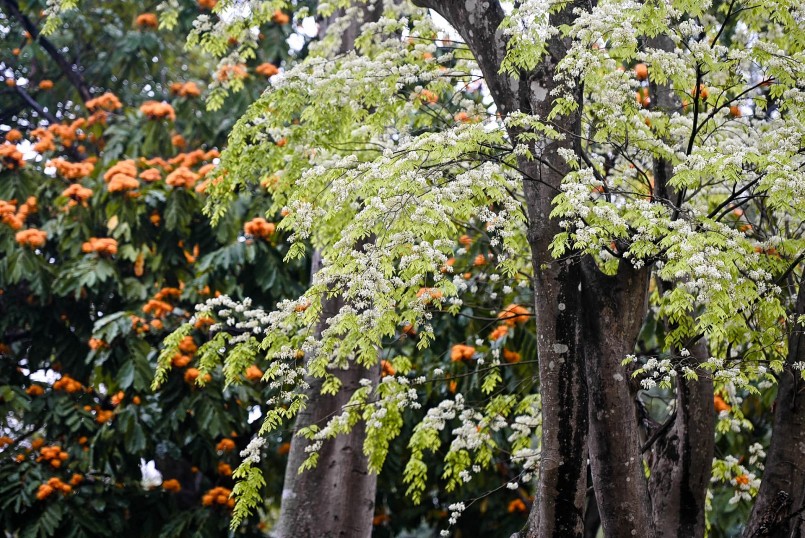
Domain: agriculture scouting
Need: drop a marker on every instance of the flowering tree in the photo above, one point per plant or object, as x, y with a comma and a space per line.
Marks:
103, 166
633, 170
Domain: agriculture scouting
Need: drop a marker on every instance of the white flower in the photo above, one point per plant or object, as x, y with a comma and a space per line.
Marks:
152, 478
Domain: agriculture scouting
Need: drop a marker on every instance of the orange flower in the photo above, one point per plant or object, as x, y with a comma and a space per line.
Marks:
68, 384
72, 171
178, 141
155, 110
5, 440
76, 479
77, 193
105, 246
224, 469
428, 96
44, 492
172, 485
266, 69
701, 92
253, 373
283, 449
187, 89
259, 227
227, 72
207, 4
11, 157
280, 18
386, 368
147, 20
719, 404
517, 505
107, 101
45, 84
499, 332
641, 71
182, 177
461, 352
225, 445
13, 136
742, 479
479, 261
511, 356
33, 390
514, 314
150, 175
191, 374
429, 293
188, 345
218, 495
180, 360
465, 240
32, 238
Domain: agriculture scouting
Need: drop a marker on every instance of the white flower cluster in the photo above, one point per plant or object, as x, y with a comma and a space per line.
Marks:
251, 454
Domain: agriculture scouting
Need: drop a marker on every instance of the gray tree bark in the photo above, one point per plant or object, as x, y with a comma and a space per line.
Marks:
587, 322
337, 498
779, 510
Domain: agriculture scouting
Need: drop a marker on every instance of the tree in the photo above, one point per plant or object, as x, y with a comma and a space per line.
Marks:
638, 166
105, 250
613, 195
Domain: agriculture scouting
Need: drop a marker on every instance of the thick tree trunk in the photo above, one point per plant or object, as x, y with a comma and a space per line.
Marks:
337, 498
681, 457
587, 322
779, 509
617, 306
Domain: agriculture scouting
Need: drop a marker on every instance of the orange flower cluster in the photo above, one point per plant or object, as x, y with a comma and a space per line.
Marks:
117, 398
178, 141
102, 416
224, 469
283, 449
77, 193
511, 357
122, 176
147, 20
386, 368
428, 96
31, 238
259, 227
514, 314
172, 485
157, 308
5, 440
108, 102
719, 404
225, 445
54, 484
68, 385
480, 260
35, 390
46, 84
431, 293
461, 352
44, 139
188, 345
266, 69
13, 136
219, 495
742, 479
207, 4
517, 505
180, 360
499, 332
280, 18
14, 218
182, 177
185, 89
641, 71
53, 455
192, 374
10, 156
151, 175
96, 344
253, 373
156, 110
72, 171
68, 133
142, 325
105, 246
231, 72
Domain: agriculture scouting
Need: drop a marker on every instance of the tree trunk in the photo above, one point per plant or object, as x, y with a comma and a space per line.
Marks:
779, 509
337, 498
682, 457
